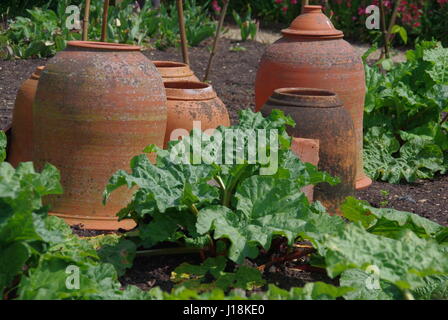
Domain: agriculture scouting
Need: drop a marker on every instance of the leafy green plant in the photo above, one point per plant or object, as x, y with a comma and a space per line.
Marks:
210, 204
43, 32
36, 250
3, 142
248, 26
405, 135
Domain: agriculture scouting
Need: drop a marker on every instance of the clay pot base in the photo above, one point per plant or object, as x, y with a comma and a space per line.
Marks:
363, 183
96, 223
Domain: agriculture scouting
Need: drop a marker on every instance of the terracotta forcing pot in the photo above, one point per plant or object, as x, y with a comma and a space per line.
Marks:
313, 54
320, 115
193, 101
97, 105
175, 71
21, 144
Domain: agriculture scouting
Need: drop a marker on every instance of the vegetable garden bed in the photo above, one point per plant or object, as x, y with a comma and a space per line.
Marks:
233, 79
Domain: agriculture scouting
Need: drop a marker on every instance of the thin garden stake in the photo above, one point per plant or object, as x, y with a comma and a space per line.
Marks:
384, 30
215, 41
305, 3
393, 19
183, 34
85, 26
105, 17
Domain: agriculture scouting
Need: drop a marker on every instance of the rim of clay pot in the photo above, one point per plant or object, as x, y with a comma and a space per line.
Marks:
107, 46
189, 91
173, 69
37, 73
305, 97
313, 24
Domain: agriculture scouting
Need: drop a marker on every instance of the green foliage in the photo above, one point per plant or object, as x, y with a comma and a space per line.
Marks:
42, 31
378, 253
2, 146
36, 250
211, 275
311, 291
248, 26
405, 138
178, 202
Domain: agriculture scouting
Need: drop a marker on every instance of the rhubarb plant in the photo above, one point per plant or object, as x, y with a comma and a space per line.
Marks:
209, 202
406, 133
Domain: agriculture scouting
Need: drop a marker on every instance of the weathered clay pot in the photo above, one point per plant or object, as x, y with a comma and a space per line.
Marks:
175, 71
193, 101
97, 105
320, 115
307, 150
312, 54
21, 144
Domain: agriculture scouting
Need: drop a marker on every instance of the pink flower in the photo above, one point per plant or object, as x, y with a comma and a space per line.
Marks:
278, 1
295, 1
216, 6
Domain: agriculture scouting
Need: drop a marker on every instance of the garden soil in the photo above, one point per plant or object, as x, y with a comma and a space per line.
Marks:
233, 77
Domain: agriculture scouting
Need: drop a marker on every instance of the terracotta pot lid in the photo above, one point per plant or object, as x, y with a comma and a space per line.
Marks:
37, 73
171, 69
313, 23
189, 91
106, 46
305, 97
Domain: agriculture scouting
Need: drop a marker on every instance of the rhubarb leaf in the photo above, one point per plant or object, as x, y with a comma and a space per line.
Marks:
258, 218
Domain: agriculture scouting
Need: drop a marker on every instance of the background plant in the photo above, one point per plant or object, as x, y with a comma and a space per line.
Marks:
248, 26
238, 216
42, 32
406, 136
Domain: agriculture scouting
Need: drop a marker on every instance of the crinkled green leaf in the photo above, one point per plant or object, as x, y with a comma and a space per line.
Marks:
121, 255
163, 188
389, 222
435, 288
311, 291
403, 262
259, 217
439, 58
210, 275
368, 287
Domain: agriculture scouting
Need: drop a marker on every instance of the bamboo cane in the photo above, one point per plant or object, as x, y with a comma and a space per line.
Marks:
393, 19
183, 34
85, 26
215, 41
305, 3
384, 30
105, 17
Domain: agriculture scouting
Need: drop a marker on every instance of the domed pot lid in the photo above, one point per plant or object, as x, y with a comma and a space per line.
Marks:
313, 23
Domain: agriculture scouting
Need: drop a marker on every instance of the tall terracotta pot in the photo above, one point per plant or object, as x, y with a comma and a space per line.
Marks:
320, 115
97, 105
193, 101
175, 71
21, 144
313, 54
